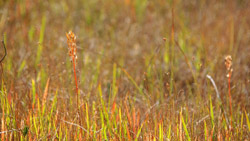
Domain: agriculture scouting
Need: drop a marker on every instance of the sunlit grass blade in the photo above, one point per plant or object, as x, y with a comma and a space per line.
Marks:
169, 132
139, 131
41, 38
205, 130
211, 112
33, 92
21, 68
248, 122
185, 129
133, 81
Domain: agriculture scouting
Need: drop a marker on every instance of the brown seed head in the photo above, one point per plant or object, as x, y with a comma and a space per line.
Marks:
228, 63
71, 40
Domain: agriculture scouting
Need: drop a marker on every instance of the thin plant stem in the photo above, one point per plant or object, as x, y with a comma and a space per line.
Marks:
5, 52
230, 98
74, 65
71, 40
228, 63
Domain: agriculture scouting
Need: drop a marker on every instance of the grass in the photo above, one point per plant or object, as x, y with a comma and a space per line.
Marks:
71, 40
146, 70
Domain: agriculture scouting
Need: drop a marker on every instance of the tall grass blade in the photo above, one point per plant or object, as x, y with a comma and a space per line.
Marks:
133, 81
41, 37
139, 132
248, 122
211, 112
185, 129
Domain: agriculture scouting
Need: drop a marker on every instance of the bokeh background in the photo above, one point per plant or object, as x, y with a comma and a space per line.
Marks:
149, 59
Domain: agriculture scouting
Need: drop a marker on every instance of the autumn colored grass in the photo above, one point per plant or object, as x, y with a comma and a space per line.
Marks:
145, 70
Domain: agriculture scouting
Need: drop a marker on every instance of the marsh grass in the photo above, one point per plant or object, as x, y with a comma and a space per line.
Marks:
128, 84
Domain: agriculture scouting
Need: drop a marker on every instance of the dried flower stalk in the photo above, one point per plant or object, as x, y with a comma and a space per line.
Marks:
71, 40
228, 63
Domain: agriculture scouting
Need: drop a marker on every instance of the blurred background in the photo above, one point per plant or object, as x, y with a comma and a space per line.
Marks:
126, 36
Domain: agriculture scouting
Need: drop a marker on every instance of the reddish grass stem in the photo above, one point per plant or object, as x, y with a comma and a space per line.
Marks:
71, 40
228, 63
230, 98
74, 65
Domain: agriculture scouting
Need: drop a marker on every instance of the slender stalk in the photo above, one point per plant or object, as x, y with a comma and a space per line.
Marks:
71, 40
230, 98
74, 65
5, 52
218, 96
228, 63
172, 52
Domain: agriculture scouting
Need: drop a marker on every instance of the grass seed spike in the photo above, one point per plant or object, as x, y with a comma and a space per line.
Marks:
71, 40
228, 64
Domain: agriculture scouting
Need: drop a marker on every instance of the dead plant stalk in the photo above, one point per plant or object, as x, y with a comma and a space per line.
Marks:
71, 40
228, 63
